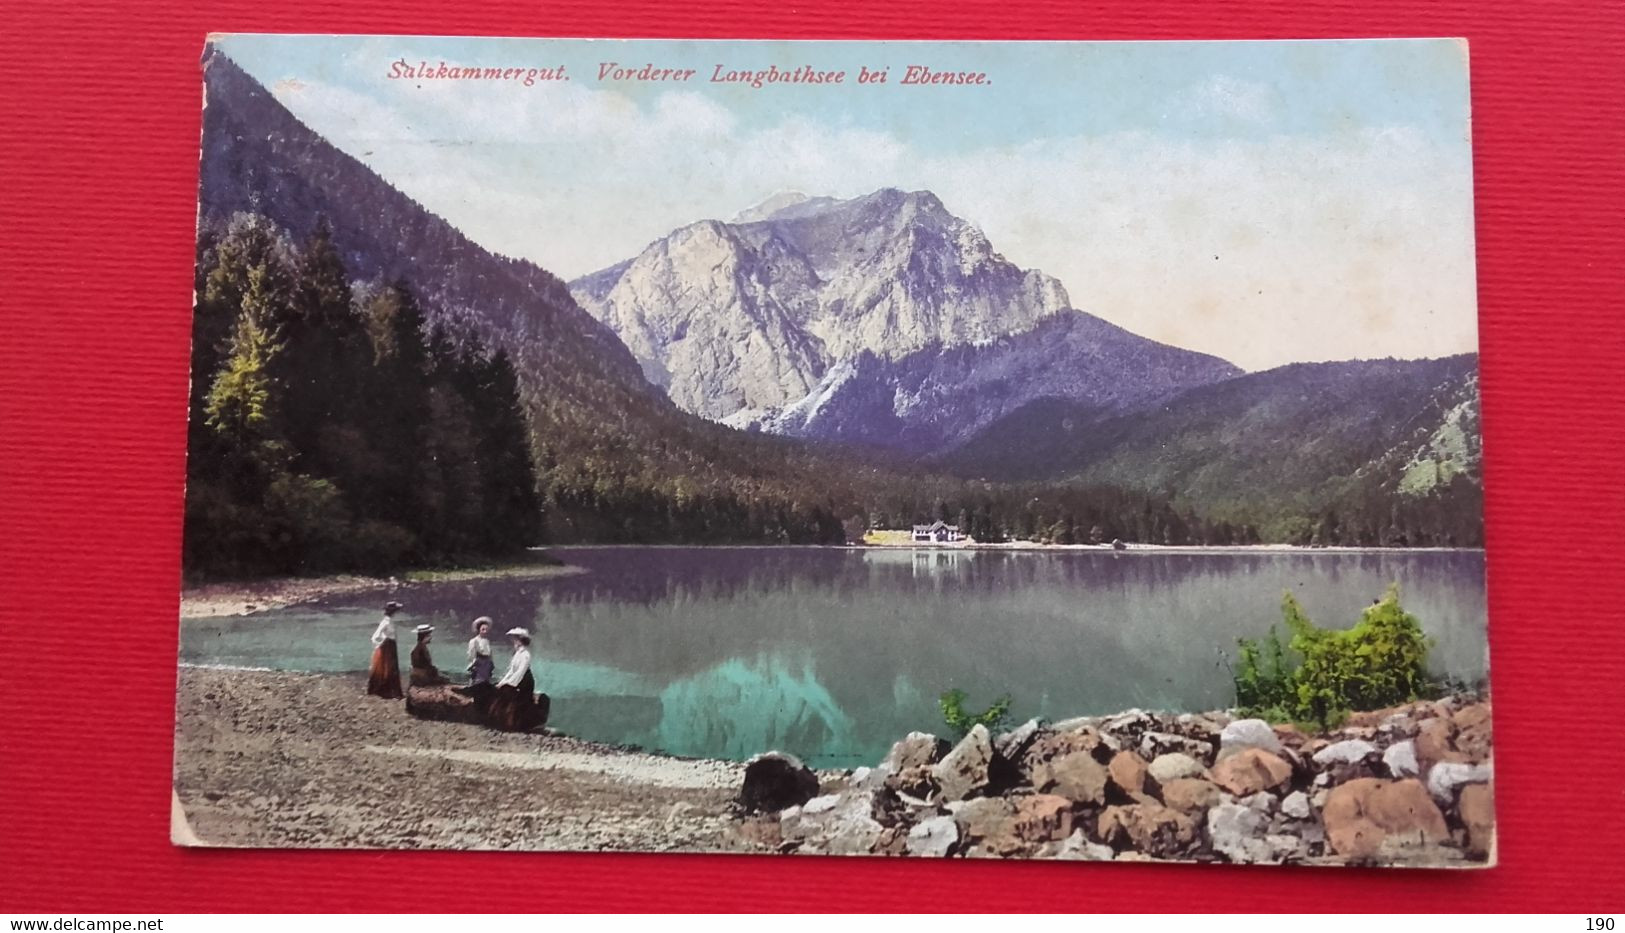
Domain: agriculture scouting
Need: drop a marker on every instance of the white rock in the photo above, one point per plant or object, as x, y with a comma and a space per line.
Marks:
1400, 759
819, 805
964, 770
859, 775
933, 837
1077, 848
1446, 777
1296, 805
1346, 752
1262, 801
1281, 845
1173, 766
1248, 733
1237, 832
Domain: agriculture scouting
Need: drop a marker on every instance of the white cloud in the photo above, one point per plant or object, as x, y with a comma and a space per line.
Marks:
1226, 97
1266, 251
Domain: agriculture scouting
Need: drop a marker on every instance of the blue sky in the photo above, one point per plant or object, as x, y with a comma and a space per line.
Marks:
1267, 201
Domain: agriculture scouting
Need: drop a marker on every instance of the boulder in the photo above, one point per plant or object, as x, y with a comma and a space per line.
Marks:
1473, 731
1043, 818
1400, 759
1471, 717
1150, 828
1290, 736
1262, 802
1173, 766
1251, 770
1015, 743
893, 841
761, 832
1296, 805
1405, 812
1052, 745
1077, 776
838, 824
1127, 771
1432, 742
967, 768
917, 783
887, 807
1190, 795
1349, 831
1077, 848
1346, 752
1477, 811
934, 837
1447, 777
1355, 839
988, 822
1239, 833
1129, 726
774, 781
917, 749
1156, 744
1248, 733
819, 805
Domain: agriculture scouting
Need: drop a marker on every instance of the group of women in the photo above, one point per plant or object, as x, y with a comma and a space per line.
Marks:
511, 703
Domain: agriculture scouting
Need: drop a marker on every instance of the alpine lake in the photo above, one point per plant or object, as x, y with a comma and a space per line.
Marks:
833, 654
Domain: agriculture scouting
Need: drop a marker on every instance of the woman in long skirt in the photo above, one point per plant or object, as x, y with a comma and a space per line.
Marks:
515, 708
384, 678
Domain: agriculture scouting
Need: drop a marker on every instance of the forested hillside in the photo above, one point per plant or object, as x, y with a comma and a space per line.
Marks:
1307, 453
330, 430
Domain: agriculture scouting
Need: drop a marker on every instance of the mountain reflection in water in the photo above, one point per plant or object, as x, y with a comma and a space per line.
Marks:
833, 654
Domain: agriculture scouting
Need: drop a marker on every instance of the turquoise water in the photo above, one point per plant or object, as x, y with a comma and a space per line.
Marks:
832, 654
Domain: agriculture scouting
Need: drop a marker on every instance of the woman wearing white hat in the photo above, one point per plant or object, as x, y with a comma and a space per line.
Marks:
384, 678
515, 708
480, 665
424, 673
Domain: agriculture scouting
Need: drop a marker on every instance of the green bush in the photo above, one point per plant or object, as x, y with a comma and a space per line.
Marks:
960, 721
1321, 675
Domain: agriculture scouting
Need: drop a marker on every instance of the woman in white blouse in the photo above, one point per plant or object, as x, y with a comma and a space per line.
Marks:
516, 707
384, 678
480, 665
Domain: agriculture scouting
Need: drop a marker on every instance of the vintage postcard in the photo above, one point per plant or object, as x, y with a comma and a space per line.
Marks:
943, 449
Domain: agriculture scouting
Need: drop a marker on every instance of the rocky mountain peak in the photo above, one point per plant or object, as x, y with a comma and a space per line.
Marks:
740, 320
770, 205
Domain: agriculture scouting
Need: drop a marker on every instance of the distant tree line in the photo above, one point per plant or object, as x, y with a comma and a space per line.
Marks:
330, 429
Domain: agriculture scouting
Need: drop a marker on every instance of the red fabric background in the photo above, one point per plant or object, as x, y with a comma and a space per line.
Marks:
99, 139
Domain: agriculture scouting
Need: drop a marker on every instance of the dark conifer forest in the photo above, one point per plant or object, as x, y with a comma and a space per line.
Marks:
330, 429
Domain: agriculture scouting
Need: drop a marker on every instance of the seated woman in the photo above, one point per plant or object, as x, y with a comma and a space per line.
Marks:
516, 707
424, 673
384, 674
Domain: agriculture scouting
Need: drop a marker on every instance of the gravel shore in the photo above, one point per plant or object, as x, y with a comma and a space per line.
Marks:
267, 759
272, 759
